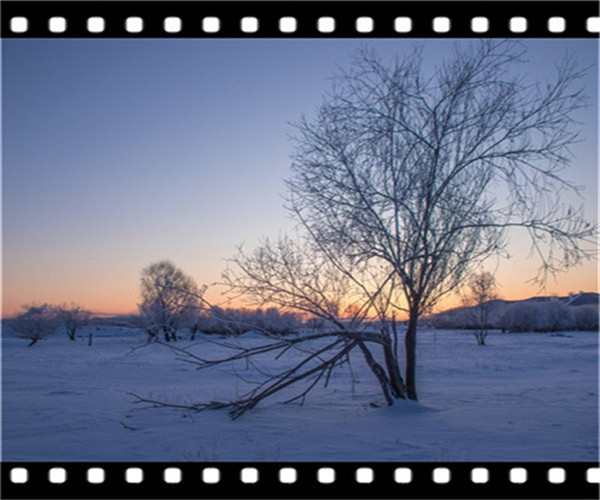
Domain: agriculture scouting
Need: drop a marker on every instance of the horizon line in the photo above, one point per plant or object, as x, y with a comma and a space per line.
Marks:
113, 314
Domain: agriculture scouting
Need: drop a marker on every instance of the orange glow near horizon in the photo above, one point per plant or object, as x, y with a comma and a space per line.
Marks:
179, 150
121, 296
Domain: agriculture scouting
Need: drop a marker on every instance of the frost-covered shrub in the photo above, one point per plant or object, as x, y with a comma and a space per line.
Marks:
586, 317
36, 323
454, 319
548, 316
279, 323
466, 318
168, 295
520, 317
72, 318
554, 316
239, 321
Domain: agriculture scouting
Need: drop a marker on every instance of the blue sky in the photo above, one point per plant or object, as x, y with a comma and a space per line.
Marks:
117, 153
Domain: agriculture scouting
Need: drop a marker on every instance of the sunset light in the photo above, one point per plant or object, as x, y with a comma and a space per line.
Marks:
271, 251
99, 184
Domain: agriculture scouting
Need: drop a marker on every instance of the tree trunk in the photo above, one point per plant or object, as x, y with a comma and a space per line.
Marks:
397, 386
71, 334
482, 336
379, 372
33, 341
410, 346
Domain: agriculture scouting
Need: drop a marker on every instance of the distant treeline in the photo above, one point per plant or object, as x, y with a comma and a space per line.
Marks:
536, 315
224, 321
40, 321
528, 316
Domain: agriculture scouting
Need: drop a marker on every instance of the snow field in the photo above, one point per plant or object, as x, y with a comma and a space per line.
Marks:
523, 397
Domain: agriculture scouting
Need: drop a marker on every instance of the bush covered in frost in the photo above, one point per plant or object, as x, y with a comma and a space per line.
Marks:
238, 321
528, 316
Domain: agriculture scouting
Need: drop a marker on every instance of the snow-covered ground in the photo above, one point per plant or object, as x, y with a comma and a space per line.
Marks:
524, 397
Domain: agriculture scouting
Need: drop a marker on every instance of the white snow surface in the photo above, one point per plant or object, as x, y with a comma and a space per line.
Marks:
523, 397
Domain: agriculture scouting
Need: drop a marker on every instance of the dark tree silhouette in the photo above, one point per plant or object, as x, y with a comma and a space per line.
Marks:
425, 174
36, 322
73, 317
401, 185
481, 291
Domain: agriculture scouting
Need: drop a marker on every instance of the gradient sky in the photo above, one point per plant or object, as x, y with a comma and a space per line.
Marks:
118, 153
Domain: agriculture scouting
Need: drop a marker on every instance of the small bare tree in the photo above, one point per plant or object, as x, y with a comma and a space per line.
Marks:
168, 297
73, 317
482, 290
36, 323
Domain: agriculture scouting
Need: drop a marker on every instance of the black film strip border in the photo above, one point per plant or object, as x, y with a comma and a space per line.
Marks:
578, 480
379, 19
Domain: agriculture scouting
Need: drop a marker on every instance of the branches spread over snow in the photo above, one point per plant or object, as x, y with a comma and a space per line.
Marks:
401, 185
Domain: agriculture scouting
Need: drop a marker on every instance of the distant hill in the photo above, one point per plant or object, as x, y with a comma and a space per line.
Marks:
582, 299
122, 320
577, 311
573, 299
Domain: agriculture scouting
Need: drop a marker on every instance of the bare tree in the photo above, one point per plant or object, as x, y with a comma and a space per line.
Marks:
401, 185
73, 317
295, 276
36, 323
355, 301
482, 290
427, 173
168, 297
